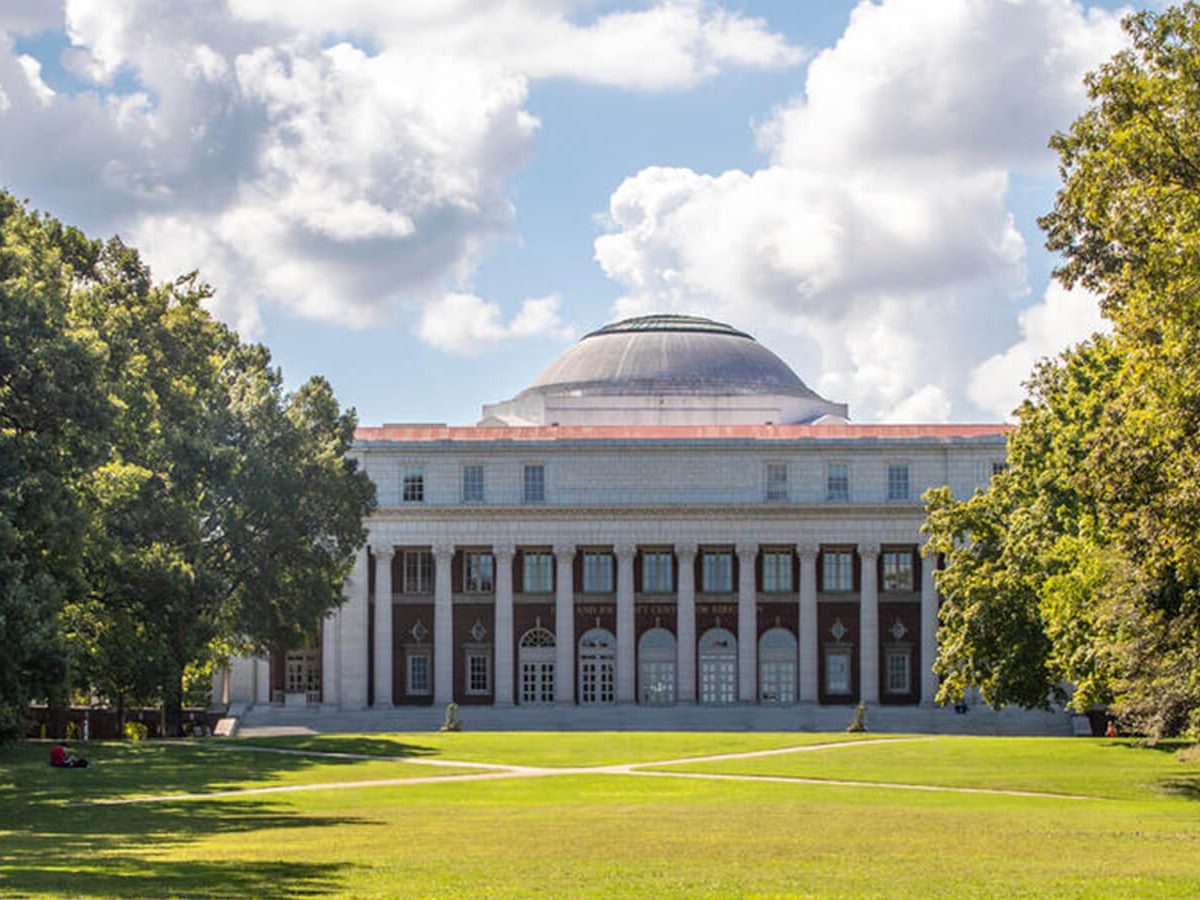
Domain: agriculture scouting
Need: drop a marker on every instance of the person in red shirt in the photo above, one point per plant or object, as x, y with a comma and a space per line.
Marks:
60, 758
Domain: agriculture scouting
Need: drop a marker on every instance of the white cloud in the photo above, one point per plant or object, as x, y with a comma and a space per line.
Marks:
879, 234
344, 161
1062, 319
467, 325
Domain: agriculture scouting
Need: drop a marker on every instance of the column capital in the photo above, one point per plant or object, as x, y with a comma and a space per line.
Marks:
808, 549
504, 552
686, 552
625, 552
564, 552
869, 550
443, 552
382, 553
746, 549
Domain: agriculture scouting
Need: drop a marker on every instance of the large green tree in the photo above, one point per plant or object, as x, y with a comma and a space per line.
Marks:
1105, 591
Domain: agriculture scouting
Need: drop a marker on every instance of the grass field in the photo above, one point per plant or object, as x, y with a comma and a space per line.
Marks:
604, 834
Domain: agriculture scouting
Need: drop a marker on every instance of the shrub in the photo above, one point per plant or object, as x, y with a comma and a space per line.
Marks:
136, 731
452, 722
859, 722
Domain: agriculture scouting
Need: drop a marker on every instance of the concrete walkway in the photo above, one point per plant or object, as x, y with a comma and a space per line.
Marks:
498, 771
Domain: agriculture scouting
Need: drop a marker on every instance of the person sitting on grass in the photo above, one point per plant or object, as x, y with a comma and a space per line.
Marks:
61, 758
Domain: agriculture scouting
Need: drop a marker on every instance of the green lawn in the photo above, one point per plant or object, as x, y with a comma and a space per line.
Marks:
607, 835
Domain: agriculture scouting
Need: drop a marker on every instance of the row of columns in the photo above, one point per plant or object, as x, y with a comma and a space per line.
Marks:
341, 656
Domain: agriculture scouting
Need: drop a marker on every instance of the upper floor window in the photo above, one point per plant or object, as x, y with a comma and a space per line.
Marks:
777, 481
417, 574
897, 570
716, 571
656, 572
472, 484
478, 572
597, 573
837, 481
538, 572
533, 483
837, 570
777, 571
897, 481
413, 486
998, 466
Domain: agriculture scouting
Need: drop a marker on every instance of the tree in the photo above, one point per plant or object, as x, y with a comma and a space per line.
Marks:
52, 425
1106, 583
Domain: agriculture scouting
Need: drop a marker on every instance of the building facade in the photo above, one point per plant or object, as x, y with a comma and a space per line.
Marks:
667, 516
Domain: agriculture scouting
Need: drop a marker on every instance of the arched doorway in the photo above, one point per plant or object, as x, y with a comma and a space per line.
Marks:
718, 667
777, 667
597, 667
536, 660
656, 667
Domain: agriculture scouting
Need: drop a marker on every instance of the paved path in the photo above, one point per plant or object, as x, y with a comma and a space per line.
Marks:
498, 771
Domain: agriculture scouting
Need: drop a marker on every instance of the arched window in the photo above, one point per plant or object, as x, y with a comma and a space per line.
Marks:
718, 667
536, 661
777, 666
597, 667
656, 666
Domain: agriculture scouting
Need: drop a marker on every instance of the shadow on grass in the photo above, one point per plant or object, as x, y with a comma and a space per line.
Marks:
335, 743
53, 841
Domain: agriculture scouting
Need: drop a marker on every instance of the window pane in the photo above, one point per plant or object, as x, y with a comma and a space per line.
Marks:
534, 487
777, 571
479, 573
539, 573
837, 673
898, 482
656, 573
597, 573
837, 482
777, 484
472, 490
418, 572
897, 571
838, 570
413, 490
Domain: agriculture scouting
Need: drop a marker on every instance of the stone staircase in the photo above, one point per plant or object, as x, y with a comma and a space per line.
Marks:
272, 720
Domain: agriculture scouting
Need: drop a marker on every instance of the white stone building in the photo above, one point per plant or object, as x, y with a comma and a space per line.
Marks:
667, 516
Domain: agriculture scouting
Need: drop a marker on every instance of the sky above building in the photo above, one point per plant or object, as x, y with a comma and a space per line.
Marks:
427, 201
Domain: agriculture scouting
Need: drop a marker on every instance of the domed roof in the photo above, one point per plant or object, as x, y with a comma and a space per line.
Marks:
669, 354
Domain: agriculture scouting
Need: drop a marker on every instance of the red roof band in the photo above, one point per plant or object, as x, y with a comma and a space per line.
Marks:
470, 433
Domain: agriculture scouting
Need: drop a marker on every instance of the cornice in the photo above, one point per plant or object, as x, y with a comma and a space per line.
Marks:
772, 512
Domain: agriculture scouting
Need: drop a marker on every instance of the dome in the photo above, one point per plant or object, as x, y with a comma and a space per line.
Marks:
665, 369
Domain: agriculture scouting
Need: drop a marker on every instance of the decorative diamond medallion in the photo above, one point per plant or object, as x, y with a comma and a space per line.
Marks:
478, 632
898, 630
838, 630
419, 632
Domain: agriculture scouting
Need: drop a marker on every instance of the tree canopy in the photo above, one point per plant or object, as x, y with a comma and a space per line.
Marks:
1082, 563
189, 503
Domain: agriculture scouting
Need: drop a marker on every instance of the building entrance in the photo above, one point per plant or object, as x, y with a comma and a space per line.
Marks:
718, 667
536, 660
597, 667
656, 667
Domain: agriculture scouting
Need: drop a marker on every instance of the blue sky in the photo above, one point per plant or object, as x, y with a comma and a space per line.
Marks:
427, 206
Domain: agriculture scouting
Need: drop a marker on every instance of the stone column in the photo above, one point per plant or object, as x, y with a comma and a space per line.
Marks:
443, 625
329, 659
868, 629
626, 629
262, 680
809, 643
503, 648
685, 624
929, 627
747, 624
352, 656
564, 623
383, 627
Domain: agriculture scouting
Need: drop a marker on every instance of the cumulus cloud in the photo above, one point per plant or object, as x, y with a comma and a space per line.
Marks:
1061, 319
878, 235
467, 325
344, 161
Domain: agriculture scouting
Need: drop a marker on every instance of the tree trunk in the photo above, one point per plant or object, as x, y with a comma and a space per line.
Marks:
120, 715
172, 720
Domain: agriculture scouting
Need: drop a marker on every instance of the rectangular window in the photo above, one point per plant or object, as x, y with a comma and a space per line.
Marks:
837, 482
418, 673
533, 484
837, 569
413, 490
597, 573
716, 572
417, 576
538, 572
897, 570
472, 484
897, 672
656, 572
777, 481
479, 674
478, 574
897, 475
837, 672
777, 571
